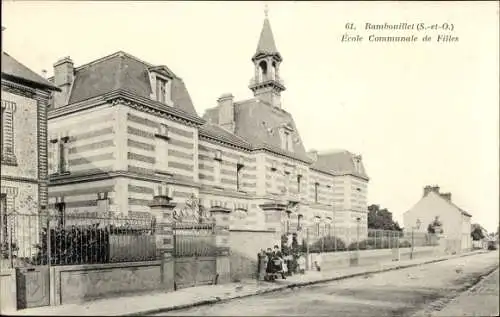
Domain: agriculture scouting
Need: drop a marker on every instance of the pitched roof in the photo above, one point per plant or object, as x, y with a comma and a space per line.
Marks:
339, 161
216, 132
465, 213
123, 71
11, 68
266, 43
257, 123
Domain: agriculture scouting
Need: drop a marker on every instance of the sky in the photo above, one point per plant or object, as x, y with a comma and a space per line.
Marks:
419, 113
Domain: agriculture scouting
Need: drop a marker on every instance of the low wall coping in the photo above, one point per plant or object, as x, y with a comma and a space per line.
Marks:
7, 272
252, 230
102, 266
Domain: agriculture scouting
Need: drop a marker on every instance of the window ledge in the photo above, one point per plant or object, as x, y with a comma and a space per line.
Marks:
162, 136
164, 173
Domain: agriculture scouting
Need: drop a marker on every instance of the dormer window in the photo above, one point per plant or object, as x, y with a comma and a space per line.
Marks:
161, 90
161, 82
286, 138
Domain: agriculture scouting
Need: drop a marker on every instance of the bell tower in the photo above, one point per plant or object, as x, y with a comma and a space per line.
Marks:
266, 83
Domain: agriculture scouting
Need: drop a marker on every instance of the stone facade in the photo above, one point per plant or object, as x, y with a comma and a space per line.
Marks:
134, 140
25, 96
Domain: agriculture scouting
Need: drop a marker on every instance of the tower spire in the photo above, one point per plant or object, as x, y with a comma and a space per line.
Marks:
266, 83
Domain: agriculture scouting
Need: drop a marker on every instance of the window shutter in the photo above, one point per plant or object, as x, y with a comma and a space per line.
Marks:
53, 155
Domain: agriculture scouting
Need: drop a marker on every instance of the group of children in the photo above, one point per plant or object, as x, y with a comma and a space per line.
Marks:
284, 264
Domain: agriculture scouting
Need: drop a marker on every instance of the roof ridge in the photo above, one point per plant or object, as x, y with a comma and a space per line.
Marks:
110, 56
36, 78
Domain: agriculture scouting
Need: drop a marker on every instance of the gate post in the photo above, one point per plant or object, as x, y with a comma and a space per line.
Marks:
220, 216
162, 208
273, 212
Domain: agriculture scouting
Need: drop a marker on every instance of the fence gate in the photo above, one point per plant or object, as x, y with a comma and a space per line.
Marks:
195, 254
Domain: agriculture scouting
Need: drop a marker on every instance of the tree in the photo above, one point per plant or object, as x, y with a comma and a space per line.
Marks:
381, 219
477, 232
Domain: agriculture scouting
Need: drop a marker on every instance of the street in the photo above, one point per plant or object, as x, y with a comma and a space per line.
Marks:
402, 292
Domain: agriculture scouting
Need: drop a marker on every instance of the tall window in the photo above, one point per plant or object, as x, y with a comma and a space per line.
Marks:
63, 155
286, 139
317, 221
161, 142
161, 90
287, 181
7, 127
239, 169
299, 222
217, 167
316, 187
299, 178
3, 218
61, 213
58, 158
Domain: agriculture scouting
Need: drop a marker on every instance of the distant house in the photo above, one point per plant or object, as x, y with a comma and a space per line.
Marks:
25, 96
456, 222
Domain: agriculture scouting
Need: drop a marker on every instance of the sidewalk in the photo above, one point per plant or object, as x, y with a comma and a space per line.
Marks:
480, 300
202, 295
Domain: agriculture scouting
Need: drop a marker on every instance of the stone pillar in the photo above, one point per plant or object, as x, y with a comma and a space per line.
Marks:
220, 216
162, 210
273, 212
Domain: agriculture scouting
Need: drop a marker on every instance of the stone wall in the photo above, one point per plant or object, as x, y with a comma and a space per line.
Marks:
8, 300
332, 260
81, 283
245, 245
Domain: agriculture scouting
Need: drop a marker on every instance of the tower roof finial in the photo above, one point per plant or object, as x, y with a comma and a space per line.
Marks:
266, 10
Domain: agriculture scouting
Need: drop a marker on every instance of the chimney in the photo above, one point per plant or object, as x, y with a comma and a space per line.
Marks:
63, 78
44, 73
226, 112
446, 196
428, 189
313, 154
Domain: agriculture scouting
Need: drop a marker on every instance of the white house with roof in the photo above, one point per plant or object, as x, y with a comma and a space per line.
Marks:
456, 222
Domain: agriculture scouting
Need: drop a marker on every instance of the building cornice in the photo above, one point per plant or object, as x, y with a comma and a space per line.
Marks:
81, 178
218, 140
22, 179
267, 149
129, 99
76, 107
18, 89
331, 173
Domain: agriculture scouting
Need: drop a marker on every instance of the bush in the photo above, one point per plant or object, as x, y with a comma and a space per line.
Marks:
78, 244
405, 244
372, 243
327, 244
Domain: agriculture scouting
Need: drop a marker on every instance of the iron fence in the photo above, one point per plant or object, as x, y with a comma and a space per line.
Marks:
194, 239
36, 239
318, 238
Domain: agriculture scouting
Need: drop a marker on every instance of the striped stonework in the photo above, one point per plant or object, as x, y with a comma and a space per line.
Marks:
90, 143
223, 173
82, 198
325, 188
159, 146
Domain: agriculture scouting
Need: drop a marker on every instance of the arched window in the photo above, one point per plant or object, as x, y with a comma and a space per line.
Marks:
300, 218
317, 221
262, 71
